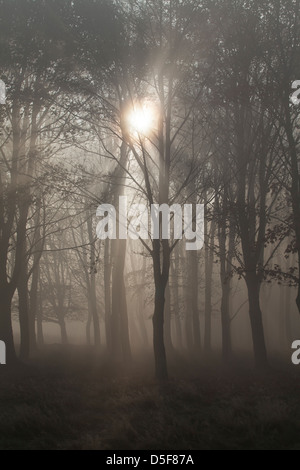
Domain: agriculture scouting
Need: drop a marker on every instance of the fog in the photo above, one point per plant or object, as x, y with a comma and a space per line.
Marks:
150, 216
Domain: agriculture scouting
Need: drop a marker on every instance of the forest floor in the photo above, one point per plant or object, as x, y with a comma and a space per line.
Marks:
75, 400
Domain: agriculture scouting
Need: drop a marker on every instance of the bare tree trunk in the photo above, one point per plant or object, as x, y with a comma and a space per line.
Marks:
287, 309
88, 325
281, 318
209, 256
33, 294
22, 288
225, 276
92, 286
161, 276
225, 319
119, 323
167, 327
124, 321
194, 300
33, 307
259, 347
189, 335
39, 320
63, 331
119, 319
94, 311
140, 280
107, 294
23, 313
116, 303
158, 337
175, 288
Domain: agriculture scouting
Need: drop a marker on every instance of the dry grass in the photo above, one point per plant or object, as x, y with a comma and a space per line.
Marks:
79, 401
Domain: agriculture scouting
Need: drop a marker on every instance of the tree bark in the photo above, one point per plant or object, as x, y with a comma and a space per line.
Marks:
88, 325
119, 318
259, 347
23, 314
39, 321
63, 331
33, 298
161, 276
225, 319
125, 339
287, 309
209, 256
167, 325
189, 335
92, 286
107, 294
225, 277
175, 288
160, 358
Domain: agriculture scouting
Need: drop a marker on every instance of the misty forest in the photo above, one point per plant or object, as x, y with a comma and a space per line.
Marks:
117, 340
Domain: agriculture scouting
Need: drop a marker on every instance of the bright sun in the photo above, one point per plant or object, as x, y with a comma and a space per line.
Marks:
141, 118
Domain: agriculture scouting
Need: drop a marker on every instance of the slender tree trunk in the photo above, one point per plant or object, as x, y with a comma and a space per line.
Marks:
194, 300
39, 320
94, 311
189, 335
259, 346
116, 303
22, 289
63, 331
119, 318
225, 319
160, 282
167, 323
107, 294
23, 314
140, 302
281, 318
225, 277
92, 286
88, 325
124, 322
178, 329
175, 288
33, 297
209, 256
287, 309
33, 294
158, 336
